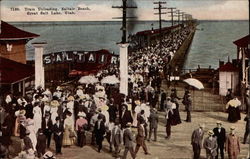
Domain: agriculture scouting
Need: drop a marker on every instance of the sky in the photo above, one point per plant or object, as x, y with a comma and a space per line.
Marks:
101, 10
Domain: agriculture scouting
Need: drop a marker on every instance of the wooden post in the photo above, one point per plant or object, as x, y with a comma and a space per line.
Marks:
19, 86
11, 88
23, 91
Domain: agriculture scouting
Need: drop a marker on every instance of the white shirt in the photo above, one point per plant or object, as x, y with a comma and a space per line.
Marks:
219, 130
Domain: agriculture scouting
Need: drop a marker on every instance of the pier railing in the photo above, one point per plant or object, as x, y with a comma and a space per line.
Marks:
185, 71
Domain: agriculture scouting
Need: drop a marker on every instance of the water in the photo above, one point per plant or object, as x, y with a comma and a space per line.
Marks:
88, 36
209, 45
215, 43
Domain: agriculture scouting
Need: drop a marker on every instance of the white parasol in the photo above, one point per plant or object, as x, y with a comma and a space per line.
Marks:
194, 82
110, 80
88, 80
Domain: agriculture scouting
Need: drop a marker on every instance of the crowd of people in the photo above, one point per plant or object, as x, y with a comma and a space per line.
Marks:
67, 114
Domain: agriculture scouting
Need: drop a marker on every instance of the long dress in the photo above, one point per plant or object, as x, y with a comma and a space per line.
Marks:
68, 128
233, 110
37, 118
233, 114
32, 135
54, 114
176, 115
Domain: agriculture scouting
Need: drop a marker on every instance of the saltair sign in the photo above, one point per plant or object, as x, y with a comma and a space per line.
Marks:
98, 57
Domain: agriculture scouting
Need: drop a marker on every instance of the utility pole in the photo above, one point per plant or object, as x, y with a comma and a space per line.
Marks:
124, 18
182, 17
160, 8
172, 22
172, 15
178, 15
124, 48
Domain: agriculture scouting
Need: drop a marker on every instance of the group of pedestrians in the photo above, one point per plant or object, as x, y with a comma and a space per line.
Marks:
216, 142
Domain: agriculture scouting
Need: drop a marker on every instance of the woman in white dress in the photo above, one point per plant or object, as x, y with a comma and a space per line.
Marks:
70, 106
31, 128
53, 110
37, 116
137, 111
68, 140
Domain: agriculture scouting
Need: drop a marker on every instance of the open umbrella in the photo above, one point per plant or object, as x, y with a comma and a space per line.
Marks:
194, 82
110, 80
88, 80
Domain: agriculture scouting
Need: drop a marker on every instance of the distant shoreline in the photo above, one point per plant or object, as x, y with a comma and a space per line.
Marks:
117, 21
100, 22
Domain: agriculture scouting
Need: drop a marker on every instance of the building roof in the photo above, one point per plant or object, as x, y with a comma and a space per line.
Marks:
228, 67
10, 32
243, 42
12, 71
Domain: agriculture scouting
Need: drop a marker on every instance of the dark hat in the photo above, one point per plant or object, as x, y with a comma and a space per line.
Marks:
47, 113
117, 121
99, 116
69, 113
40, 131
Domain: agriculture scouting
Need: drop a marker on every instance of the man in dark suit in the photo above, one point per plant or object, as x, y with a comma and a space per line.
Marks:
187, 101
163, 98
196, 141
112, 110
140, 138
41, 143
220, 134
47, 127
153, 124
246, 134
128, 141
58, 135
116, 138
125, 116
99, 131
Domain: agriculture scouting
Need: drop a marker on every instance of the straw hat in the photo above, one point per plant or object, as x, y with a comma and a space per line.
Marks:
232, 128
202, 125
22, 112
104, 108
210, 132
219, 122
83, 97
129, 124
71, 98
54, 103
58, 88
79, 87
137, 102
48, 154
81, 114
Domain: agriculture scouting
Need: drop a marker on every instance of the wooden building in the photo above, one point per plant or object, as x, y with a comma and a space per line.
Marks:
228, 78
13, 41
243, 55
15, 74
